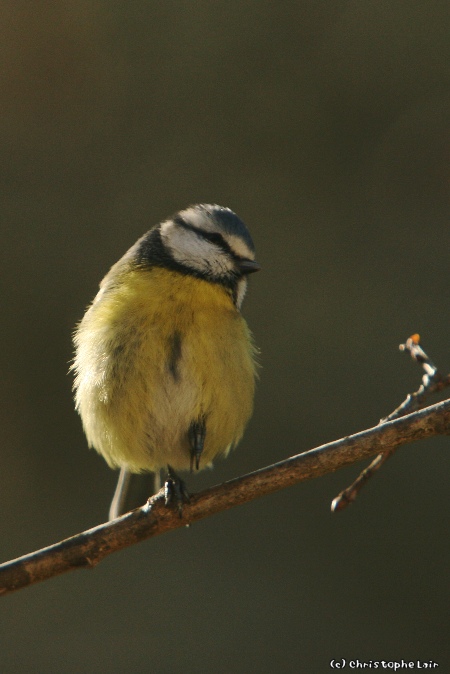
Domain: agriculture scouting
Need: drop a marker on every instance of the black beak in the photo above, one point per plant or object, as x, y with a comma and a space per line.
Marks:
248, 266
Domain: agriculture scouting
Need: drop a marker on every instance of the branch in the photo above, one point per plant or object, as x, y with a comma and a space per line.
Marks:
87, 549
433, 381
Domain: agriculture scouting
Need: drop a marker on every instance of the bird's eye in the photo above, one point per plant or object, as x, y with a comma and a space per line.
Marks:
214, 237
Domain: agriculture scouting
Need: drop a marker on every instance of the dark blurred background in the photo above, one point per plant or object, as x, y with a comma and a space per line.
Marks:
324, 125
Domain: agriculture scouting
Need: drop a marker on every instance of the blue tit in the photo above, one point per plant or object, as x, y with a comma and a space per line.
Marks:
164, 361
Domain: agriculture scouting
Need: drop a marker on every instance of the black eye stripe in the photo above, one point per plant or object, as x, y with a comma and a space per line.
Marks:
214, 237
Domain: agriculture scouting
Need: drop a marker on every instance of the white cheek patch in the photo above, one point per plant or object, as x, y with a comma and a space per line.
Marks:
195, 252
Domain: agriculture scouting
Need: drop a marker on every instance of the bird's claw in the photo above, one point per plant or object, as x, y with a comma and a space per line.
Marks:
175, 491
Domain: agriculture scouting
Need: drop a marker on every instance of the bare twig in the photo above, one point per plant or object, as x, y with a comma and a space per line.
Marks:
432, 382
87, 549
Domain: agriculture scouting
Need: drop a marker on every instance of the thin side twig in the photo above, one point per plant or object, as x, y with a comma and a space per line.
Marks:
433, 381
87, 549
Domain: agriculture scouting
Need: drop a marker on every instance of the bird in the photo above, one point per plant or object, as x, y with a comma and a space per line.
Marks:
165, 364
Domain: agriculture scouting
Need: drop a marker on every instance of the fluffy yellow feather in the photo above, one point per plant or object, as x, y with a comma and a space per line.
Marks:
157, 351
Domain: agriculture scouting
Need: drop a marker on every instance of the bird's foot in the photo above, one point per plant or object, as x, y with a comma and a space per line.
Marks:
175, 492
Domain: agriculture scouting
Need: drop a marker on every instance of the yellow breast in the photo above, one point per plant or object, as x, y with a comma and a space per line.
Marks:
154, 353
